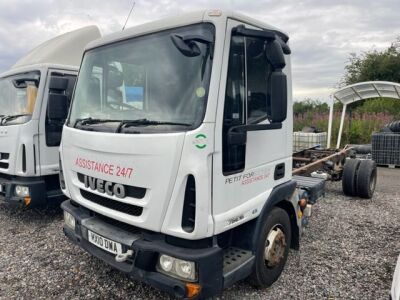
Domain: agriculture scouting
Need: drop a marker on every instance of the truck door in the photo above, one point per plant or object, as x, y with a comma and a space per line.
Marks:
58, 84
245, 173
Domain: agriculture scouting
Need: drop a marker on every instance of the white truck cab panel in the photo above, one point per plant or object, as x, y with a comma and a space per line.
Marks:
181, 150
29, 140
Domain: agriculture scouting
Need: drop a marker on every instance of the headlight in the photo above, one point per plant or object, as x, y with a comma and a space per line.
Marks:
166, 262
21, 191
175, 267
69, 220
185, 269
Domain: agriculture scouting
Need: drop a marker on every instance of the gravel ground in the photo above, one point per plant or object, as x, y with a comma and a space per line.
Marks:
348, 251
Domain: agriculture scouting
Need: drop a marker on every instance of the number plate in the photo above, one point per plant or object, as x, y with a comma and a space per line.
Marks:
104, 243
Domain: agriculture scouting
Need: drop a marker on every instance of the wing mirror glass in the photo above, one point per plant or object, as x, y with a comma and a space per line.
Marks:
57, 107
278, 94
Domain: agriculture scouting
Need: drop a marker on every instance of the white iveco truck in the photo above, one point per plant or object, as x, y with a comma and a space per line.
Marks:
177, 154
34, 100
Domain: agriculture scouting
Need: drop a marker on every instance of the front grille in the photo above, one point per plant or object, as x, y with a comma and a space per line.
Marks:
4, 160
129, 209
4, 155
131, 191
124, 226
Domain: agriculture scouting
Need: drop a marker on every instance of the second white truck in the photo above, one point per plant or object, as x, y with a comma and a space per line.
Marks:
34, 100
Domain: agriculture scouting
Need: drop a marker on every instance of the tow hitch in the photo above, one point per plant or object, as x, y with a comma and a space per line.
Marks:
121, 257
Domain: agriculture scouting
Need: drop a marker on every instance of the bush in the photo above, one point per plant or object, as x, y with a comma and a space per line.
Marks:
357, 128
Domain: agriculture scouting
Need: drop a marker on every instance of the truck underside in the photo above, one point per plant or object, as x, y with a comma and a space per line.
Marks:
221, 260
43, 190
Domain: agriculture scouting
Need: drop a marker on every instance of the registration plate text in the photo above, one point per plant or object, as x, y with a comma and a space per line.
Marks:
104, 243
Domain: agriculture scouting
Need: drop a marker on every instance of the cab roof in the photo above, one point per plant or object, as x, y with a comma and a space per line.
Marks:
176, 21
66, 49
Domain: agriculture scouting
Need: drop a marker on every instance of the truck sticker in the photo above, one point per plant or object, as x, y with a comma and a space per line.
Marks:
104, 168
235, 219
200, 141
200, 92
249, 177
102, 186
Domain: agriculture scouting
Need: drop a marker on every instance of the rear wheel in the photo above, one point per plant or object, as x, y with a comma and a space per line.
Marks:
272, 249
349, 177
366, 179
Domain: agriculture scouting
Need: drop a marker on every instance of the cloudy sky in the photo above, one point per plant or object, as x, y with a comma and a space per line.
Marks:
322, 32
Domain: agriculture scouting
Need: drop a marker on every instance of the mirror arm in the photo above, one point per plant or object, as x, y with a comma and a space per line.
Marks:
255, 127
270, 36
209, 40
261, 34
197, 38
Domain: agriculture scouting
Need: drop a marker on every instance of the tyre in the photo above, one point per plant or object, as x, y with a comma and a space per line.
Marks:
272, 249
394, 126
363, 149
366, 179
349, 177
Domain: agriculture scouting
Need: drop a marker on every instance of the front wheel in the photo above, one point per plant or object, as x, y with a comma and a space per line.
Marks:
272, 249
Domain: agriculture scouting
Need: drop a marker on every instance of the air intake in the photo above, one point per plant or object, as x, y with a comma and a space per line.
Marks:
4, 157
23, 159
189, 205
61, 174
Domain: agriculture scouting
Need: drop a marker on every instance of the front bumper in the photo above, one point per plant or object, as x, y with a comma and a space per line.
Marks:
38, 192
146, 248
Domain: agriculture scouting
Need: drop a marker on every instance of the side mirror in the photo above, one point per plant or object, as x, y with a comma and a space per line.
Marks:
275, 55
58, 83
278, 94
57, 107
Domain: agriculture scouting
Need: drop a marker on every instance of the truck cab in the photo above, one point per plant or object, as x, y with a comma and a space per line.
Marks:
30, 131
177, 153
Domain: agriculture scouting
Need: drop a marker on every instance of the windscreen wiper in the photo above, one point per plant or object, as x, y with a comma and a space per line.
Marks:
146, 122
90, 121
5, 119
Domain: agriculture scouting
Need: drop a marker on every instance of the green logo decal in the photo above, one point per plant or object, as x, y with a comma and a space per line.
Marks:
200, 141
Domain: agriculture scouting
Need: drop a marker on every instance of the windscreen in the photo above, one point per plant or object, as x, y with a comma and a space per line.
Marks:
18, 95
160, 81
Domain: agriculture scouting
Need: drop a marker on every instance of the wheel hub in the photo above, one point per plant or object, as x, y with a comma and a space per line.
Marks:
275, 246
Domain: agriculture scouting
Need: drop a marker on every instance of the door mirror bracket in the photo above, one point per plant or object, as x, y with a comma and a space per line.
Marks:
237, 135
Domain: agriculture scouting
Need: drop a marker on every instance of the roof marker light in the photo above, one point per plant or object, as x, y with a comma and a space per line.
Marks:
215, 13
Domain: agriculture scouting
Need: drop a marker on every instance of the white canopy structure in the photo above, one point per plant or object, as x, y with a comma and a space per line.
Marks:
357, 92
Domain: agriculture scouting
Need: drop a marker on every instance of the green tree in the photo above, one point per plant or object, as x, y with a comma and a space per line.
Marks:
375, 66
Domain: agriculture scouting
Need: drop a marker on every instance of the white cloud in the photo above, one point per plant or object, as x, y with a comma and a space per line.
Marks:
322, 32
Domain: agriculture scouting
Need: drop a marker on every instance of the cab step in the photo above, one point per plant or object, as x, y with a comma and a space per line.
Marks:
237, 265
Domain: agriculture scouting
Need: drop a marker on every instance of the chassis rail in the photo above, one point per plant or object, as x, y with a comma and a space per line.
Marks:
331, 161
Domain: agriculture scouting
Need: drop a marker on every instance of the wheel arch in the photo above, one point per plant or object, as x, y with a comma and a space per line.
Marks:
288, 207
246, 235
